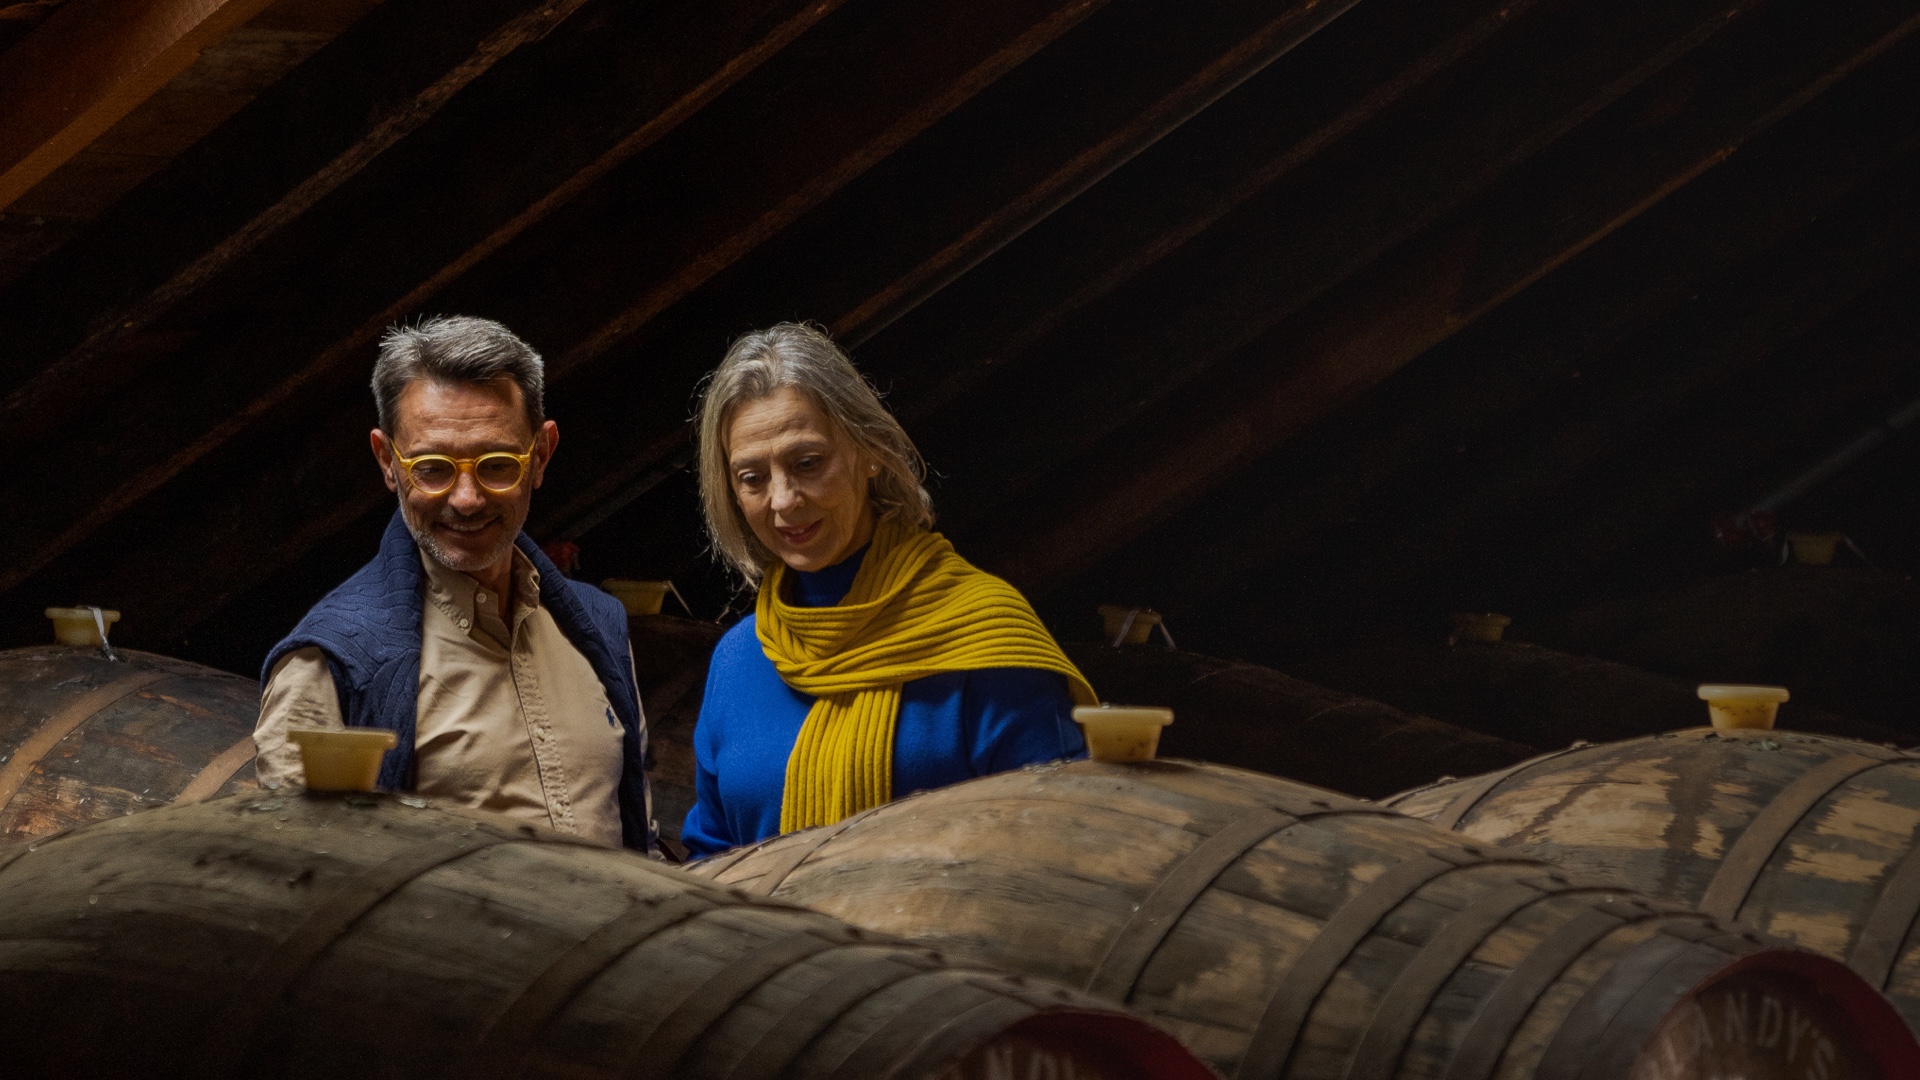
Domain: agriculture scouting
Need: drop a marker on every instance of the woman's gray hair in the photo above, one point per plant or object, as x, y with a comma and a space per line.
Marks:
804, 358
456, 348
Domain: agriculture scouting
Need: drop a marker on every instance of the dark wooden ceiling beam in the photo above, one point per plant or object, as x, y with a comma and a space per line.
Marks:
1640, 400
91, 63
1274, 256
1279, 36
712, 253
1409, 303
1640, 509
633, 461
1411, 440
931, 61
730, 43
74, 321
1340, 228
1126, 226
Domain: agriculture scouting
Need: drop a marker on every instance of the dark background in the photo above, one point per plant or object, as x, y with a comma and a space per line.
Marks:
1306, 325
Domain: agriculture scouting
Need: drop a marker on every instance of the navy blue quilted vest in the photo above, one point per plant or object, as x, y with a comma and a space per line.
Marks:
369, 629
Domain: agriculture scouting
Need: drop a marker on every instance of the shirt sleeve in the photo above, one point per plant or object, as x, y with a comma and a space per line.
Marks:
1019, 716
299, 693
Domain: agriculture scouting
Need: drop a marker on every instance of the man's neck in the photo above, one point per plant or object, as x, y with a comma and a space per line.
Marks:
499, 579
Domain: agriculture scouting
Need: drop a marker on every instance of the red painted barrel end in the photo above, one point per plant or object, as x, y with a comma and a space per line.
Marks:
1780, 1013
1075, 1044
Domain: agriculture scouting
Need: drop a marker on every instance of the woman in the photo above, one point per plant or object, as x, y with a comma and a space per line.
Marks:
876, 662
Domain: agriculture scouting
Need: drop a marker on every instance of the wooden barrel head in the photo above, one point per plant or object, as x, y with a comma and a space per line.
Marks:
1279, 930
1810, 838
1076, 1046
1771, 1023
302, 935
84, 738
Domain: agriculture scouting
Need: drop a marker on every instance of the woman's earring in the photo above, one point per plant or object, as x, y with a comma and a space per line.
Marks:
873, 470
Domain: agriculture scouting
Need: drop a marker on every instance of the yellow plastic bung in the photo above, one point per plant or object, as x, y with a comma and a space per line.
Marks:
1480, 626
638, 597
1731, 707
76, 625
1128, 625
1814, 549
1122, 732
342, 759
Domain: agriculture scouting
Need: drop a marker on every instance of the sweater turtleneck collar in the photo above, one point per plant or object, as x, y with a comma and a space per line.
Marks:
826, 588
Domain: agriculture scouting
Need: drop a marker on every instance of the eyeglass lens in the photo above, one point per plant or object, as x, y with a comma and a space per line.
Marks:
495, 472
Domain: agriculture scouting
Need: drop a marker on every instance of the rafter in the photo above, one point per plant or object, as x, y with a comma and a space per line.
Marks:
1398, 310
90, 64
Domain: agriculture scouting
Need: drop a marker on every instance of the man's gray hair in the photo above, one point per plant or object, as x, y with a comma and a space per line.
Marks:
804, 358
455, 348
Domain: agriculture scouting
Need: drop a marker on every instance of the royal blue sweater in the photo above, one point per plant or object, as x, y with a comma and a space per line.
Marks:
952, 727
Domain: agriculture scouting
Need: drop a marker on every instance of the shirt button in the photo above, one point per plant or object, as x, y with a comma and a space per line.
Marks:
481, 596
464, 624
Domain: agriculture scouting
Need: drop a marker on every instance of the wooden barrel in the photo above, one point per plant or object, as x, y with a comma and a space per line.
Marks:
1810, 838
1538, 696
84, 738
1257, 718
297, 935
1282, 931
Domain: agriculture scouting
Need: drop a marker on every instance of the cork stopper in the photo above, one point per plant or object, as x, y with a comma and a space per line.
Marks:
1126, 625
342, 759
1732, 707
1815, 549
1122, 733
81, 626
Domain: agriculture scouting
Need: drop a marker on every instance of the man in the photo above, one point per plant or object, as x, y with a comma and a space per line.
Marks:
509, 687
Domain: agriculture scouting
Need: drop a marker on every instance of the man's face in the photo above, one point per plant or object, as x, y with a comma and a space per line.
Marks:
467, 528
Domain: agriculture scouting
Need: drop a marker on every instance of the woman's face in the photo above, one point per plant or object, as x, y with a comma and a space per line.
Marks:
801, 483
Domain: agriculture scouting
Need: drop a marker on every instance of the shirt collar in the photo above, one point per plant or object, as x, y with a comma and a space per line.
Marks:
456, 593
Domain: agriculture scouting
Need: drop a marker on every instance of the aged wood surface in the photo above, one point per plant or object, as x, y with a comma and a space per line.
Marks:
1256, 718
83, 738
1280, 930
1806, 837
88, 66
326, 936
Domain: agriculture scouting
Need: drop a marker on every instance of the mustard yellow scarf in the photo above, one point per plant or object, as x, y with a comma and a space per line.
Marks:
915, 609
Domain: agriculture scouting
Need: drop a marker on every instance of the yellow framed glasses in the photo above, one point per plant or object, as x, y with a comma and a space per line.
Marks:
435, 474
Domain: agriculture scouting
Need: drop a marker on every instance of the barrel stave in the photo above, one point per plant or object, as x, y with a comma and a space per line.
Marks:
1664, 813
126, 735
135, 754
932, 875
1829, 871
304, 935
1330, 940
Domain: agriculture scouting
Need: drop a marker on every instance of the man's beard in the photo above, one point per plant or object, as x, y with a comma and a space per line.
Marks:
459, 562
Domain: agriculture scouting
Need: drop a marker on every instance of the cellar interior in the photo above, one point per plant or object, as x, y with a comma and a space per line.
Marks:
1302, 336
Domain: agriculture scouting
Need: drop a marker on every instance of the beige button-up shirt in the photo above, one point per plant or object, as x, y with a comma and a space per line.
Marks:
511, 717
